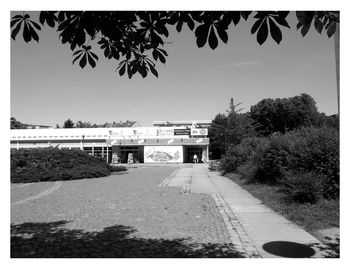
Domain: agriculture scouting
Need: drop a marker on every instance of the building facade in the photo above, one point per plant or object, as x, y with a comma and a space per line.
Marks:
167, 144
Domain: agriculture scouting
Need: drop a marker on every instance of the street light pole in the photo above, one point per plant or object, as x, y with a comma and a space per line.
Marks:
83, 141
337, 59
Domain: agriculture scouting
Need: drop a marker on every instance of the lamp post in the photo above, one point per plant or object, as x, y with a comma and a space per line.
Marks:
83, 141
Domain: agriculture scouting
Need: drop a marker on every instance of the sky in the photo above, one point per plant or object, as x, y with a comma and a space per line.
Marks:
194, 84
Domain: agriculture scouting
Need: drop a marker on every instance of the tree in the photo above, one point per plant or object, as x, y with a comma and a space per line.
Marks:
216, 134
81, 124
284, 114
229, 130
238, 127
17, 124
68, 124
133, 38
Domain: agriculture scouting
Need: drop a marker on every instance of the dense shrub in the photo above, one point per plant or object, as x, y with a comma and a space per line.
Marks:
309, 149
50, 164
317, 149
303, 187
249, 171
238, 155
274, 161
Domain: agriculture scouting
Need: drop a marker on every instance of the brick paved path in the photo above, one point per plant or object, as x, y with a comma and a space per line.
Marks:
124, 215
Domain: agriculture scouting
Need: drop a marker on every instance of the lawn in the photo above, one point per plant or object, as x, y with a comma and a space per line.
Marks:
321, 215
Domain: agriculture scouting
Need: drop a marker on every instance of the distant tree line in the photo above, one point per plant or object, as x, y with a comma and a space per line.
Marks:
269, 116
85, 124
15, 124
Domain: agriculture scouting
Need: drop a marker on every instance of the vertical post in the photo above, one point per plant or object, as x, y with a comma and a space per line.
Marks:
107, 153
93, 147
17, 146
337, 59
83, 141
103, 151
207, 153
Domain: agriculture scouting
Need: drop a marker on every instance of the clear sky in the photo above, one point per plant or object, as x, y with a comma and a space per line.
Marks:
194, 84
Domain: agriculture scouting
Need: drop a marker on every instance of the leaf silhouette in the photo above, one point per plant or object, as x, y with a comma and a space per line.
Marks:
318, 25
15, 31
91, 60
275, 31
262, 32
122, 70
223, 34
213, 40
26, 33
82, 62
332, 28
153, 70
201, 33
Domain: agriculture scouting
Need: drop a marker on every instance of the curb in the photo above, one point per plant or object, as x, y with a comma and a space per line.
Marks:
235, 229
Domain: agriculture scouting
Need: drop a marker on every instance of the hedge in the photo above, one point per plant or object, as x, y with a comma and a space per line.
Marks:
51, 164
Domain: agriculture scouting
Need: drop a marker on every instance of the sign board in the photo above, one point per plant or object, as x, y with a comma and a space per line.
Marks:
115, 158
165, 132
200, 131
163, 154
130, 158
182, 132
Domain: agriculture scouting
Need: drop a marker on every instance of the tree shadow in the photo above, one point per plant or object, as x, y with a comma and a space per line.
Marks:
54, 240
331, 249
288, 249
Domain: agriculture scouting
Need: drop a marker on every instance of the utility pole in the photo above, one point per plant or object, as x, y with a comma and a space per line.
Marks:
337, 60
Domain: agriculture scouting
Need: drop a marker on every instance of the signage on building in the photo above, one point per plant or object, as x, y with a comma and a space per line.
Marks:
200, 131
182, 131
165, 131
163, 154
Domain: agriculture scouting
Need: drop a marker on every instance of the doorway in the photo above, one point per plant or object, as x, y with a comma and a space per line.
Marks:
190, 151
133, 154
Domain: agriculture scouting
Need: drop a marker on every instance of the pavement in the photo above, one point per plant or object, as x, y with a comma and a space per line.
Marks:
258, 230
129, 214
164, 211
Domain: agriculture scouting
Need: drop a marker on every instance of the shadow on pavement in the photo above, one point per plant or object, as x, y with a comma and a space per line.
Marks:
52, 239
295, 250
288, 249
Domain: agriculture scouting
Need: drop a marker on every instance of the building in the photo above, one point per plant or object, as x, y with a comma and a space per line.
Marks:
166, 144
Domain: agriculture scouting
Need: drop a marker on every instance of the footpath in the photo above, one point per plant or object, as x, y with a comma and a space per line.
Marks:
257, 229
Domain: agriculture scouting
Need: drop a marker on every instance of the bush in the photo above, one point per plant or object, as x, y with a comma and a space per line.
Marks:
309, 149
118, 168
303, 187
275, 160
51, 164
238, 155
248, 171
318, 150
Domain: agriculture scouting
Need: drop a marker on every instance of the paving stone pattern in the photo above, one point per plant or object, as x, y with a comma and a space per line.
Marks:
124, 215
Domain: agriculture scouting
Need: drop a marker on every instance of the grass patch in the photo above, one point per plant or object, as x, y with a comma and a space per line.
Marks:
320, 215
